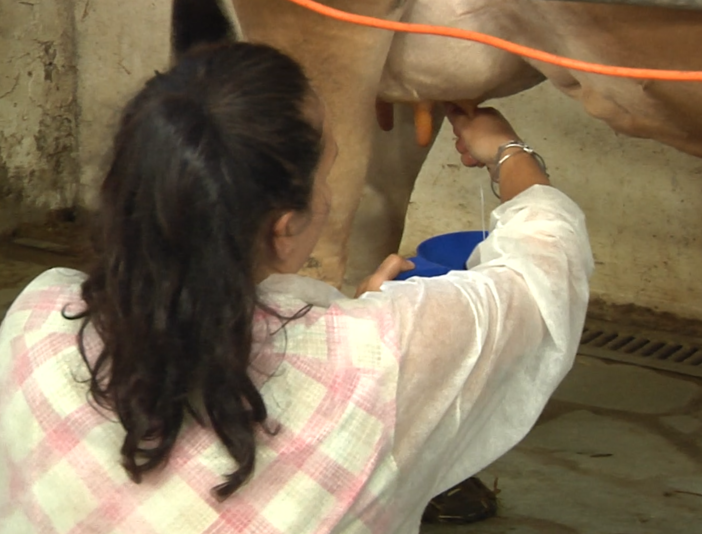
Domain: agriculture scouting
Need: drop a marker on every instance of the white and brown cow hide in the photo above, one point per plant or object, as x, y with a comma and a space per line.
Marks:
351, 66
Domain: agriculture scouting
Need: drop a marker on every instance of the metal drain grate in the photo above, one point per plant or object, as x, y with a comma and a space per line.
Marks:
646, 348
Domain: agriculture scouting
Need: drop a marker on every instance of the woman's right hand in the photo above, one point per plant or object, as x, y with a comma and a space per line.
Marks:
480, 131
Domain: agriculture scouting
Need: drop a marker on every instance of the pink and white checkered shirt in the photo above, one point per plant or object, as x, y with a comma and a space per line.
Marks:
383, 401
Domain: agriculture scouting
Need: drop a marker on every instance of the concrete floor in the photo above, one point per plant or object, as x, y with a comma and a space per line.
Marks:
618, 449
60, 244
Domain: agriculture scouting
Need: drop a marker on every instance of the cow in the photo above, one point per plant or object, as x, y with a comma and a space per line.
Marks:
362, 73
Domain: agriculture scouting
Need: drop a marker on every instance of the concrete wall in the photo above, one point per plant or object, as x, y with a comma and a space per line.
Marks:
643, 202
119, 46
38, 165
66, 69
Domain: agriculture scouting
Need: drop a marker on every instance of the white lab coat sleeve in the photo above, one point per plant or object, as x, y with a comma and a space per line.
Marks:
484, 349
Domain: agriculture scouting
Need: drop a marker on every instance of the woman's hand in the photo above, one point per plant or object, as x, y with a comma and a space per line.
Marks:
481, 132
388, 270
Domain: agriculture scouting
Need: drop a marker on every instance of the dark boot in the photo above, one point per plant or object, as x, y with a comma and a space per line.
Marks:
468, 502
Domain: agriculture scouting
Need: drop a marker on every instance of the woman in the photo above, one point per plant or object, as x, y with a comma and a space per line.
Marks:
192, 382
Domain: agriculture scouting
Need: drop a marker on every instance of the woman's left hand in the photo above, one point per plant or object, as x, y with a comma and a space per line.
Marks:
388, 270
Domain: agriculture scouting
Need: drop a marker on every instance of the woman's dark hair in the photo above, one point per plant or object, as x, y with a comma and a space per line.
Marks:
205, 156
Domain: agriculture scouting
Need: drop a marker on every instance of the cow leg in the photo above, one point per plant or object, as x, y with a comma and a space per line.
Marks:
394, 166
344, 63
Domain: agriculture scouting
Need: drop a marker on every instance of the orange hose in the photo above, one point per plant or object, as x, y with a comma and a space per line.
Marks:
524, 51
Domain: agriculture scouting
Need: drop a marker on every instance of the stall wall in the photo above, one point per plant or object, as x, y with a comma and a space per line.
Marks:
38, 164
66, 69
119, 46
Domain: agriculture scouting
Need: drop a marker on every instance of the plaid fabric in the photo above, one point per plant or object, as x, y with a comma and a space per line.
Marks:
330, 383
383, 401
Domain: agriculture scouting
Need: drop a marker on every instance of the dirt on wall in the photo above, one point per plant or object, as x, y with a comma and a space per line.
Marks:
38, 109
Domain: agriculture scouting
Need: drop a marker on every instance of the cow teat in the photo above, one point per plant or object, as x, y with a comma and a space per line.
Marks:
423, 120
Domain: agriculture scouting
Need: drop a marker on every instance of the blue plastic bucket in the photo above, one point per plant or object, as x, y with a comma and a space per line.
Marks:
443, 253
